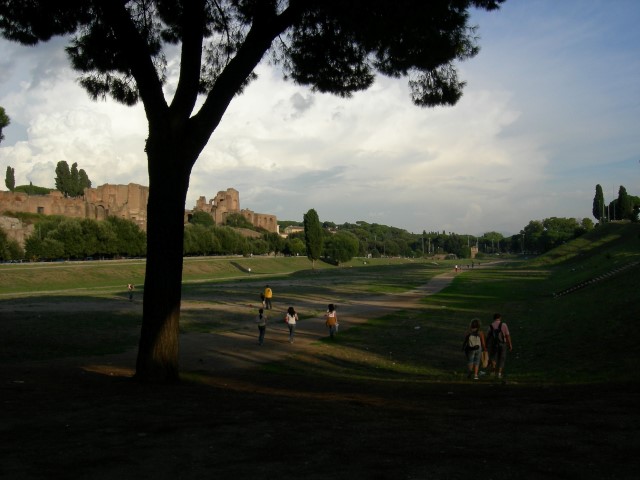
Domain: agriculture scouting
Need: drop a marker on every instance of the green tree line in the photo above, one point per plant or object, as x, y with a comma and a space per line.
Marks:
334, 243
624, 207
57, 237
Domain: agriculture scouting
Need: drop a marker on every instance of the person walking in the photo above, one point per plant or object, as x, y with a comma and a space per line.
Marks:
268, 295
291, 319
130, 288
498, 341
331, 320
261, 320
473, 346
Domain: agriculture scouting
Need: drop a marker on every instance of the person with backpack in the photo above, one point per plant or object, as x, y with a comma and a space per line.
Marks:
498, 341
473, 346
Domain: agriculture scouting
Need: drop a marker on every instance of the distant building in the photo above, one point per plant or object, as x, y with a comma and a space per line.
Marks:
292, 229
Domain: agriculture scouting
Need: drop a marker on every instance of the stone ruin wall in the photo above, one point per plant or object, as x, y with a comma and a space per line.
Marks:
227, 202
124, 201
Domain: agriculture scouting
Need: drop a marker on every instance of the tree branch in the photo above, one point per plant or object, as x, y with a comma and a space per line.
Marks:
136, 54
266, 27
191, 59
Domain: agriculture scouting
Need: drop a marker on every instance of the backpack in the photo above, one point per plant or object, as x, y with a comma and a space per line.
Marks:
496, 336
472, 341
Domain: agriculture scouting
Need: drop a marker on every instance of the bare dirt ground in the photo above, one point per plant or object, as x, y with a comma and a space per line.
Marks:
84, 418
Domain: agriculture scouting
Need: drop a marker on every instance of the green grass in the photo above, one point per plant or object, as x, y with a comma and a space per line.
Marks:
588, 336
30, 334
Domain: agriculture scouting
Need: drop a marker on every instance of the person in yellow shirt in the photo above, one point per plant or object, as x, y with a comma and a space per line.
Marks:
268, 295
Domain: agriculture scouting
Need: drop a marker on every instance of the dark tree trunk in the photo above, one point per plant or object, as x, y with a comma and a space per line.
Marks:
168, 184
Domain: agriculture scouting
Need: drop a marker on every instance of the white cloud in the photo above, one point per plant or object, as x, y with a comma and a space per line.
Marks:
551, 109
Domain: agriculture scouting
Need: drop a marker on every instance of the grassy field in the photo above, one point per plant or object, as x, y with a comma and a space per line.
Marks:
585, 336
387, 400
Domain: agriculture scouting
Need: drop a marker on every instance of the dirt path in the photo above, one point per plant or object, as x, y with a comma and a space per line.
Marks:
238, 349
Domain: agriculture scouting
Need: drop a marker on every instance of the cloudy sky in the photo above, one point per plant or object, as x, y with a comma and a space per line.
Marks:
551, 108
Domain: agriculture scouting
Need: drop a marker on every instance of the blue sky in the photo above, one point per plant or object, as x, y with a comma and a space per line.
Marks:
551, 108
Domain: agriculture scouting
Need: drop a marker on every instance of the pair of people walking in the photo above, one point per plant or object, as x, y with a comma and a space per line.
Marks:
487, 349
290, 318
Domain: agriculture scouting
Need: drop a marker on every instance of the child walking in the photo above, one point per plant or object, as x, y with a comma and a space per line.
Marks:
261, 320
331, 320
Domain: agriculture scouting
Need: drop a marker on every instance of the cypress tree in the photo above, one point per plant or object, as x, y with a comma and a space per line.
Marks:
598, 204
10, 179
63, 177
625, 204
312, 235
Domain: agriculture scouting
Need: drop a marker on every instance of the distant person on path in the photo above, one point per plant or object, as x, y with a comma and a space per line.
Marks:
291, 319
268, 295
473, 346
456, 268
130, 288
331, 320
261, 320
498, 341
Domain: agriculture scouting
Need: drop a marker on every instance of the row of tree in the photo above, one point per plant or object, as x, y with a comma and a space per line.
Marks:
70, 181
203, 237
625, 207
57, 237
335, 243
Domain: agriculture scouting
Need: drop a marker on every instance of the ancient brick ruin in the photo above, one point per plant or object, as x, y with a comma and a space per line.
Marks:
226, 203
124, 201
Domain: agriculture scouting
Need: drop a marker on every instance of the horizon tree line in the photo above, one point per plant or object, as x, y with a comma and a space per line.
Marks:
624, 207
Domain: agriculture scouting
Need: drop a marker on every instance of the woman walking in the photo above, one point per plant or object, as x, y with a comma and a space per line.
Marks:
291, 318
474, 345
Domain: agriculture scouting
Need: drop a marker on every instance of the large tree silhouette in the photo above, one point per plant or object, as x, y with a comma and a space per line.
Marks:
334, 46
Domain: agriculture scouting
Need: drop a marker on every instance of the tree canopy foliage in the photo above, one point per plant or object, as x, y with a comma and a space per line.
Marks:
598, 203
312, 235
120, 49
9, 248
71, 181
624, 207
10, 178
5, 121
56, 237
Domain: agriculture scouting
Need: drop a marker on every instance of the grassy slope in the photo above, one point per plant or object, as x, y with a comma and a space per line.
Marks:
586, 336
